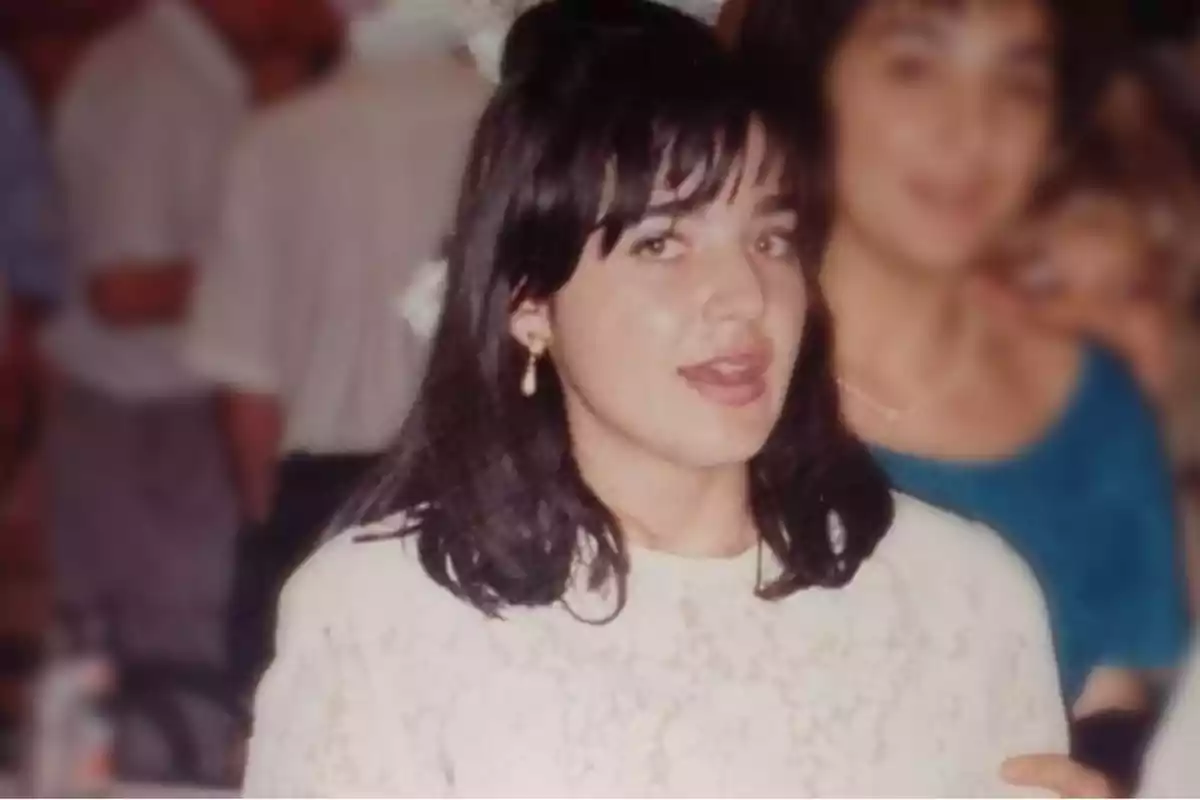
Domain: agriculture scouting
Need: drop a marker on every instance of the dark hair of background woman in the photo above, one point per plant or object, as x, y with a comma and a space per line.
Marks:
594, 96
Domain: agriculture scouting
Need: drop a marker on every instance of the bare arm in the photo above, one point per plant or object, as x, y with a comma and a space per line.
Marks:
1111, 689
137, 294
254, 429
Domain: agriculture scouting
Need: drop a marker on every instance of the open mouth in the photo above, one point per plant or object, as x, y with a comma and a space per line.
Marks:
734, 380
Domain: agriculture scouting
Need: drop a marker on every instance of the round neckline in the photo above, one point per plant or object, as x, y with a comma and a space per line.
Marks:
646, 562
1051, 432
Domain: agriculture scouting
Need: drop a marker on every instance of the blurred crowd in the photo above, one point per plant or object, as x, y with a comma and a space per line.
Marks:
213, 215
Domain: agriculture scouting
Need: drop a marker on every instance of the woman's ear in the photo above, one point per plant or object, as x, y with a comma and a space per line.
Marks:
529, 324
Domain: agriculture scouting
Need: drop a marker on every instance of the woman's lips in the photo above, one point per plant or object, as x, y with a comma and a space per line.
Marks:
733, 381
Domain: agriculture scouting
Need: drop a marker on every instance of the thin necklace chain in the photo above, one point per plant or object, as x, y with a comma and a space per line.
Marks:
893, 414
889, 413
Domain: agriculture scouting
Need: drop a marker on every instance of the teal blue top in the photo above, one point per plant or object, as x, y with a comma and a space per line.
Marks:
1091, 508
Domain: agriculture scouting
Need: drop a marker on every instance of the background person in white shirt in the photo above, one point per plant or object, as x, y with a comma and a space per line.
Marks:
333, 200
143, 515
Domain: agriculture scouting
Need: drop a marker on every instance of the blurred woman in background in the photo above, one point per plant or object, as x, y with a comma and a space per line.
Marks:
936, 119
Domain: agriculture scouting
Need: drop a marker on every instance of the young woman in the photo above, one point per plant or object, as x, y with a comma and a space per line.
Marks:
622, 546
935, 118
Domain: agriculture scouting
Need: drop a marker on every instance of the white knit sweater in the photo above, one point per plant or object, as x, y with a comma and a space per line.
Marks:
918, 679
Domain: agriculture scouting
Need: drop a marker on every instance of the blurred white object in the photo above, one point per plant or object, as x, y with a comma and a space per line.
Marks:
391, 25
482, 25
69, 744
422, 304
706, 10
487, 49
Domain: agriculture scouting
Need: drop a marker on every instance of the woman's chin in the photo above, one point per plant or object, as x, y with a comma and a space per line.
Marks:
728, 444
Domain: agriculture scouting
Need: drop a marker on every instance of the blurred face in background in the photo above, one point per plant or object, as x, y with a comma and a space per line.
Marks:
942, 113
1093, 271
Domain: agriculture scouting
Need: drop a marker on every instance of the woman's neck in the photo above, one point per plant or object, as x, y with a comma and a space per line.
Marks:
700, 513
893, 323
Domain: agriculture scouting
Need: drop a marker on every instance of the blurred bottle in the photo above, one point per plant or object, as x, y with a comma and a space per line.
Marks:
69, 736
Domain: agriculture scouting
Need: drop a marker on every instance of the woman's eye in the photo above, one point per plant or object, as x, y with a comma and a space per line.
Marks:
776, 244
659, 247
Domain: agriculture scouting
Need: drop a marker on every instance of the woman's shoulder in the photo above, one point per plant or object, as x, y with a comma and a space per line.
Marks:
370, 576
952, 561
1088, 390
1072, 368
1046, 364
362, 555
922, 529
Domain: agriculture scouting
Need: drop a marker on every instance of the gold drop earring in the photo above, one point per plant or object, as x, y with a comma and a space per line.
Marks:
529, 379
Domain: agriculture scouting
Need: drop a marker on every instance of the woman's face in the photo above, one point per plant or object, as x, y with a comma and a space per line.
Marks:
941, 116
679, 344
